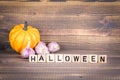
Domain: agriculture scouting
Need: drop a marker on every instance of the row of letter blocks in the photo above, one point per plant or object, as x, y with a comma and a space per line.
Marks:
68, 58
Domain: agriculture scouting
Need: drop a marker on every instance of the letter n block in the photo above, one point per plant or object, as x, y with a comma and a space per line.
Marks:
102, 59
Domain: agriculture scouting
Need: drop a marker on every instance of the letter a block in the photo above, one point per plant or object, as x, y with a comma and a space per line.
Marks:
42, 58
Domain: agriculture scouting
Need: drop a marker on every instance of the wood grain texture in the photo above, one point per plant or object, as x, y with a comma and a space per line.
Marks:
80, 32
64, 8
67, 22
61, 16
81, 39
79, 26
62, 0
89, 46
73, 32
61, 22
13, 67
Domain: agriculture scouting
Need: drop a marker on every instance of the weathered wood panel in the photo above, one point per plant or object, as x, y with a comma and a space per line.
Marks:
90, 46
63, 0
13, 67
80, 32
55, 18
62, 22
72, 32
82, 39
79, 27
95, 0
65, 8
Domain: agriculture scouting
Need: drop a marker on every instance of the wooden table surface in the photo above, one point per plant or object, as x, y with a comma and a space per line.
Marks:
13, 67
79, 27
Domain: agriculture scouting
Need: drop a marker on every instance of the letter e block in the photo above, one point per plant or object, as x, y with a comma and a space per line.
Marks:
93, 58
84, 58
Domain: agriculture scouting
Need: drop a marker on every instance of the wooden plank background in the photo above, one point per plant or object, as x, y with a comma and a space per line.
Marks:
79, 26
62, 0
67, 22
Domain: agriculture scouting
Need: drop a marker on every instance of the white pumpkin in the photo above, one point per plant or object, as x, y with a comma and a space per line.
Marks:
53, 47
41, 48
27, 51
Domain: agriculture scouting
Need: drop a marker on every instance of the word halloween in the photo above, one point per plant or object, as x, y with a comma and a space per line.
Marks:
73, 58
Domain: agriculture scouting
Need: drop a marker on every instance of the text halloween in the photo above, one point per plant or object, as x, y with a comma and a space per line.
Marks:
68, 58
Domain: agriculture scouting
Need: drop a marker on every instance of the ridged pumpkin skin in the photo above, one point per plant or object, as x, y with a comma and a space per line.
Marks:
19, 37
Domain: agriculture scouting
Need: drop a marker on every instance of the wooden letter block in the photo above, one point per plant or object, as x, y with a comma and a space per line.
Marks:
67, 58
84, 58
58, 57
42, 58
93, 58
76, 58
33, 58
102, 59
50, 58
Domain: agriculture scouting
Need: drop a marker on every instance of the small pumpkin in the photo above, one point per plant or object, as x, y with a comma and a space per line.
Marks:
41, 48
27, 51
53, 47
21, 34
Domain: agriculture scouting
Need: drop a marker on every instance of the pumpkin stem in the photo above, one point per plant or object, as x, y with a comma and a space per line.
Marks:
25, 25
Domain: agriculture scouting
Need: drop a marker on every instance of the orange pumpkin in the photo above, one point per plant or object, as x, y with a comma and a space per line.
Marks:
21, 34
